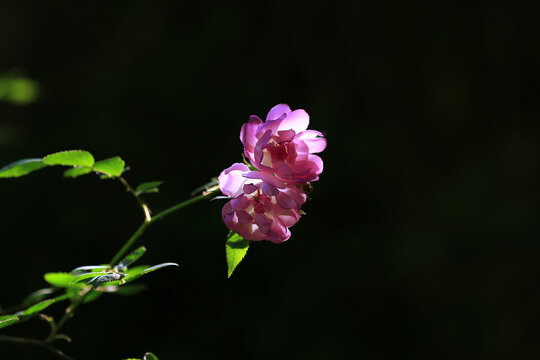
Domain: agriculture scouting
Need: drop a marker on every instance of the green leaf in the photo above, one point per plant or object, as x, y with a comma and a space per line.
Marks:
40, 306
94, 295
136, 269
112, 167
235, 249
77, 171
137, 275
88, 276
21, 168
37, 295
131, 258
70, 158
89, 268
59, 279
8, 320
150, 356
148, 187
129, 290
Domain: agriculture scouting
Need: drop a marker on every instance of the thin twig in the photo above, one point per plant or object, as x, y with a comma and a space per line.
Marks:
68, 314
43, 344
142, 204
156, 217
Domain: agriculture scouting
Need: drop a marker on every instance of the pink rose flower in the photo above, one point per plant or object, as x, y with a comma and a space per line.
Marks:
283, 146
263, 207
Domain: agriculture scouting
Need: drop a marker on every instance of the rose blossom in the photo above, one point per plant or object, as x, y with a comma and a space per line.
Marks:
263, 207
283, 146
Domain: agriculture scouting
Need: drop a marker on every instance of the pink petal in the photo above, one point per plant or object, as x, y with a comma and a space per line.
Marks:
263, 141
279, 233
263, 223
249, 131
286, 135
297, 194
249, 188
243, 217
277, 111
227, 214
289, 217
313, 139
269, 190
283, 170
285, 201
240, 202
266, 177
231, 180
298, 120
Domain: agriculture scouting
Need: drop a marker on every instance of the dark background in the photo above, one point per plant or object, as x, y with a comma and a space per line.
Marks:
421, 238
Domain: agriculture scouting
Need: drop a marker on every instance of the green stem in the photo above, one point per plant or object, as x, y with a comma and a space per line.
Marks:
153, 219
68, 314
26, 341
148, 221
141, 202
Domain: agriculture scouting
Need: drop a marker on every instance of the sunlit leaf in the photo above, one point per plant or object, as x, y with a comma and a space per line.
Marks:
8, 320
111, 167
148, 187
70, 158
59, 279
147, 356
37, 295
131, 258
89, 268
21, 167
77, 171
235, 249
89, 275
40, 306
94, 295
137, 275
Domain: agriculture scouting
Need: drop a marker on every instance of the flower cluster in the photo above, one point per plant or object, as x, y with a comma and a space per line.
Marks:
266, 202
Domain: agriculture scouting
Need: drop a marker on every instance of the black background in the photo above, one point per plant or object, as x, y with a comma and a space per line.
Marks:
421, 238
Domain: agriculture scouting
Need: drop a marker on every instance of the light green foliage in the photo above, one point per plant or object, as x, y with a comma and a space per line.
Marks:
94, 295
82, 163
77, 171
137, 275
70, 158
18, 90
8, 320
235, 249
148, 187
86, 276
40, 306
111, 167
21, 167
59, 279
37, 295
131, 258
89, 268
